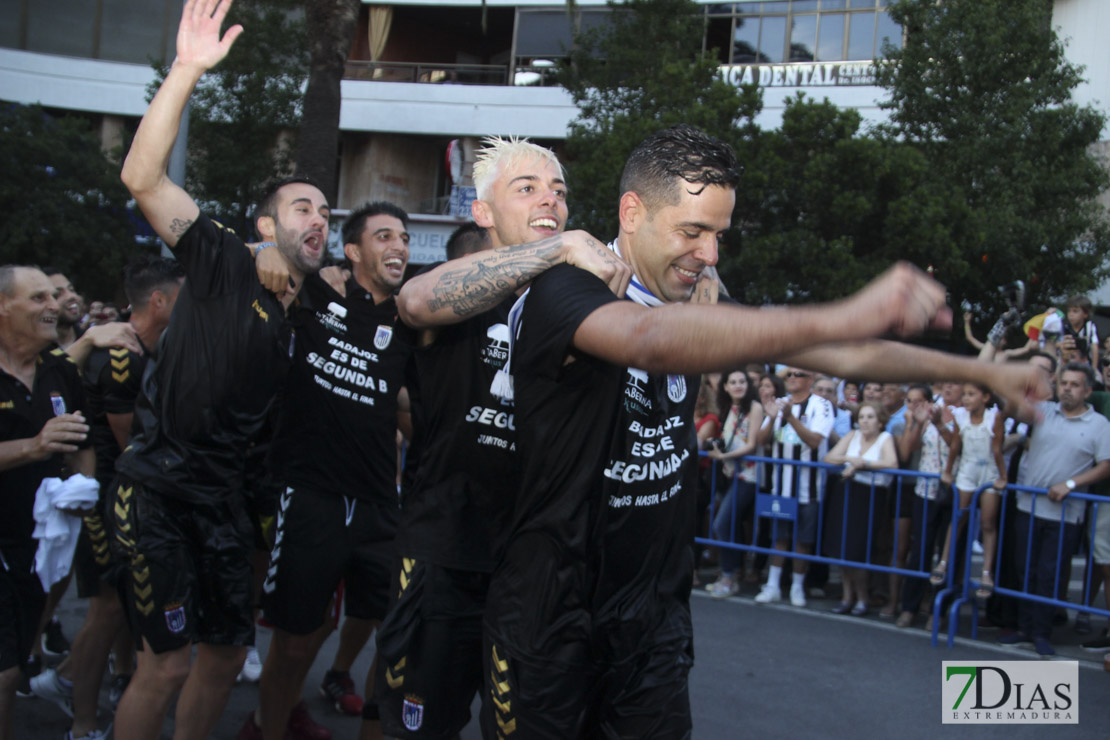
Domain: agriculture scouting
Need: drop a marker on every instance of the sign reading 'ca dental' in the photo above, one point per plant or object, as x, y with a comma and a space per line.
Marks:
816, 74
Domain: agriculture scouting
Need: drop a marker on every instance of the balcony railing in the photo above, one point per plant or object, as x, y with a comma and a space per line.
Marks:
528, 72
439, 74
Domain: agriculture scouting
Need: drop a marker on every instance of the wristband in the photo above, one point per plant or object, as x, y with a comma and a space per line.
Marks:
258, 248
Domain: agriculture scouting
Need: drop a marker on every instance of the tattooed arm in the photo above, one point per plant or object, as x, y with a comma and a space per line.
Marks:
168, 208
463, 287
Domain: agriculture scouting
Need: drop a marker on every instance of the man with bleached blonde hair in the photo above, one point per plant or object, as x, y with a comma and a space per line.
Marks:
456, 505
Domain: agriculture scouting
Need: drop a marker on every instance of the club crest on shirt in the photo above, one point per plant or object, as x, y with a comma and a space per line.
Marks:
412, 714
58, 403
175, 618
676, 387
383, 336
496, 352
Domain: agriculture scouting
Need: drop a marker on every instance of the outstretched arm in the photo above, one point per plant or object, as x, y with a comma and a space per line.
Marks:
693, 338
168, 208
470, 285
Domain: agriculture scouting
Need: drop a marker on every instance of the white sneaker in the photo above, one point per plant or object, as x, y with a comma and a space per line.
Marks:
252, 667
767, 594
723, 587
46, 686
798, 595
93, 735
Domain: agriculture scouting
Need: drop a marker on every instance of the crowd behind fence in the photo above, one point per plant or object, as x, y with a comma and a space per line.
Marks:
959, 585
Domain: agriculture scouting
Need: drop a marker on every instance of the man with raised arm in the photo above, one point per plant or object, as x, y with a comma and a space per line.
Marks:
587, 618
455, 512
181, 520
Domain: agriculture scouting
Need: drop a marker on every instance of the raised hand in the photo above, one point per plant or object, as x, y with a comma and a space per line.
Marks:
198, 36
904, 301
590, 254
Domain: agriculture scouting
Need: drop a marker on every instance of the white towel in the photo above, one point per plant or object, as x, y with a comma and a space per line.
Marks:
55, 530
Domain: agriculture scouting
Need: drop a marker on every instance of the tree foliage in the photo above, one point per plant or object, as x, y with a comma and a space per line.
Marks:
244, 114
821, 209
63, 202
983, 91
643, 72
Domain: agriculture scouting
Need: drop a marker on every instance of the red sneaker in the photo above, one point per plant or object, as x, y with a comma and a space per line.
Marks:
302, 727
340, 690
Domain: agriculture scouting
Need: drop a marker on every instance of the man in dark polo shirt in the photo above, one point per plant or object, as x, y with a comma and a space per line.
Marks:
42, 429
587, 618
179, 503
335, 454
111, 381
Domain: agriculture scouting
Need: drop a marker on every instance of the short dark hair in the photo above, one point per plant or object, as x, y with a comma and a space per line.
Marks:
1081, 367
356, 222
267, 204
467, 239
925, 390
1080, 301
142, 277
679, 152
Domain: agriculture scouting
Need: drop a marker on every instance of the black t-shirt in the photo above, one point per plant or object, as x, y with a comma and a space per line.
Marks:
456, 512
338, 423
112, 377
218, 366
600, 543
56, 390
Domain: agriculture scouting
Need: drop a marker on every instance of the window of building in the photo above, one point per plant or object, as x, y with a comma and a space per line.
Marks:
768, 32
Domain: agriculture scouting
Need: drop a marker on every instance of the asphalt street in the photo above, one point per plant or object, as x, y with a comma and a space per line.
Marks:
761, 671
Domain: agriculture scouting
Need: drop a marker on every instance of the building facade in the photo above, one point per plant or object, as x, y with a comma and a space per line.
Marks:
422, 74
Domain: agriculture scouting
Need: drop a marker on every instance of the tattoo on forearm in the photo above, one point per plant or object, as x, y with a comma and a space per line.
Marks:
180, 225
481, 286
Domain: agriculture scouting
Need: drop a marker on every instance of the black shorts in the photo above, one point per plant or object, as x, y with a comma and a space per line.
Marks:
430, 651
21, 603
262, 506
187, 567
643, 695
322, 538
93, 564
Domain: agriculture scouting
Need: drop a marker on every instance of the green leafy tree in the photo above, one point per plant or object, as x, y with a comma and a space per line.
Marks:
983, 91
642, 72
63, 202
244, 114
822, 209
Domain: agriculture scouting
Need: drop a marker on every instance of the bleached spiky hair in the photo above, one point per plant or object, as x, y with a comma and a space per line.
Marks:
497, 152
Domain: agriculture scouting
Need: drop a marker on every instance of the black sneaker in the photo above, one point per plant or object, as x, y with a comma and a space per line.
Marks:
54, 643
1099, 644
31, 668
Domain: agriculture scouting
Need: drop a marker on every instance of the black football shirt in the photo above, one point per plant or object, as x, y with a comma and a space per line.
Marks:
456, 511
600, 544
55, 390
338, 421
216, 371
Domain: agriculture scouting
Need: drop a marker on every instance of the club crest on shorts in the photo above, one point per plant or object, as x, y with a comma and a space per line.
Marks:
382, 336
412, 714
58, 403
676, 387
175, 618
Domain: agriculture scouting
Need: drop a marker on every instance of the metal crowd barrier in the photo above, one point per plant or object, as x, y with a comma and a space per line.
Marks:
780, 509
970, 583
956, 591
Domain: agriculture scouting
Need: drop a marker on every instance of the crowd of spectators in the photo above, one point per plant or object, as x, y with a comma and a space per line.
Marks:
959, 440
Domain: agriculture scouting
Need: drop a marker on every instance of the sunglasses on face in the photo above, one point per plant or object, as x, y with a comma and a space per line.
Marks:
794, 374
